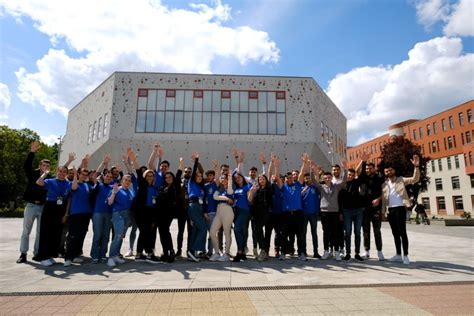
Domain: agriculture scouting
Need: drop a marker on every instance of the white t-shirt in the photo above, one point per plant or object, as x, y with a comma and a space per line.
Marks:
394, 199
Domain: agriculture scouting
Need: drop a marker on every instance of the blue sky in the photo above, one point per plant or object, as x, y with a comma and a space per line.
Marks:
379, 61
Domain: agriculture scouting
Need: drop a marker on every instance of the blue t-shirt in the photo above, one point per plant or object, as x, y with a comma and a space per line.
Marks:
57, 189
195, 191
240, 197
210, 188
292, 196
101, 205
311, 200
277, 206
159, 179
151, 195
80, 199
223, 192
123, 199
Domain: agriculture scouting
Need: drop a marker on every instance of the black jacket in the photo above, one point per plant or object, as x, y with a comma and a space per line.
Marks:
33, 193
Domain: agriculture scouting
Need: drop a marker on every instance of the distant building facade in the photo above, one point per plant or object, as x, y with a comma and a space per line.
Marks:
447, 137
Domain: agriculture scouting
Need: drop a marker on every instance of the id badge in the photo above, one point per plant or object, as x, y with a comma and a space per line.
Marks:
153, 200
59, 200
201, 201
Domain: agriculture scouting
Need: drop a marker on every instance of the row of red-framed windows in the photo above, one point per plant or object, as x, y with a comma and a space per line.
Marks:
225, 94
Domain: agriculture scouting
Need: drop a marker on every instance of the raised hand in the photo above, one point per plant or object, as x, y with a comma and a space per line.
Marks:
235, 152
364, 156
156, 148
254, 187
181, 163
273, 157
194, 155
215, 164
116, 188
242, 156
161, 152
71, 157
344, 163
106, 159
306, 159
262, 158
35, 146
132, 155
416, 160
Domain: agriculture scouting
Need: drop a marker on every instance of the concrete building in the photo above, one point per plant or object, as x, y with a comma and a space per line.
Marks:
447, 138
210, 114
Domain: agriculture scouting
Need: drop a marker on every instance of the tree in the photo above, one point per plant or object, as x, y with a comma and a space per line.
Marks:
14, 147
397, 153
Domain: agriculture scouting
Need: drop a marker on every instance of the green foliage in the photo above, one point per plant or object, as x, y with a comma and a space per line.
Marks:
14, 147
398, 153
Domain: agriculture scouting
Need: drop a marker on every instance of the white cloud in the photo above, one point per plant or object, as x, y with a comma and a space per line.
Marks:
49, 139
436, 75
5, 102
128, 36
458, 17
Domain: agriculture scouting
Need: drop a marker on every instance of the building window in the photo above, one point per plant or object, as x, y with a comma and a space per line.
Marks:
142, 92
456, 162
414, 134
449, 163
198, 94
458, 205
440, 165
428, 130
450, 142
89, 135
426, 202
443, 125
461, 119
433, 146
439, 184
455, 183
421, 132
433, 166
94, 132
468, 137
471, 162
106, 124
435, 128
99, 128
440, 203
322, 130
211, 112
451, 122
472, 180
469, 116
280, 95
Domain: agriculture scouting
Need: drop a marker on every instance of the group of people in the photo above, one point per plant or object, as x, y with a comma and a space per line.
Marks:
214, 203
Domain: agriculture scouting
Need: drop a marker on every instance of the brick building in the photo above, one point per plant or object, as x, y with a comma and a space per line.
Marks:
447, 138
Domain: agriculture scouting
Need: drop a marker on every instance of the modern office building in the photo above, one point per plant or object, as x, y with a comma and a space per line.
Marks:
447, 138
210, 114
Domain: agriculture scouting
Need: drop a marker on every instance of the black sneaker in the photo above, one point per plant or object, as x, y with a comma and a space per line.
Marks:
22, 258
317, 256
36, 258
243, 257
178, 253
140, 258
152, 259
237, 258
358, 257
347, 257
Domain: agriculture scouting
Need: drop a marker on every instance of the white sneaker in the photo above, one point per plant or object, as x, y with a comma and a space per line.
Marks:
302, 257
192, 257
78, 260
111, 262
326, 255
52, 261
224, 258
396, 258
118, 260
406, 260
338, 256
46, 263
262, 256
67, 263
214, 257
367, 254
380, 255
129, 253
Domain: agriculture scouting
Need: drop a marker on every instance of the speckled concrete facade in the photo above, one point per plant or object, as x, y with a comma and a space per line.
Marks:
307, 106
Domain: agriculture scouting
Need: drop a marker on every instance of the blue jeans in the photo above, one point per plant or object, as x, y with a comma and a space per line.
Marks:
241, 220
312, 219
199, 230
32, 212
119, 221
355, 216
133, 232
101, 223
209, 221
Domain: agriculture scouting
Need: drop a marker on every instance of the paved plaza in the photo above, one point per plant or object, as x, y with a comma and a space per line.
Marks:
440, 280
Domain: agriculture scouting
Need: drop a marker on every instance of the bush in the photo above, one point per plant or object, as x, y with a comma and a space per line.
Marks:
6, 212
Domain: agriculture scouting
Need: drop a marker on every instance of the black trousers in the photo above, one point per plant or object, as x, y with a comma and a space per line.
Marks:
261, 221
165, 218
78, 226
51, 229
397, 217
183, 222
144, 220
273, 224
293, 223
332, 231
372, 216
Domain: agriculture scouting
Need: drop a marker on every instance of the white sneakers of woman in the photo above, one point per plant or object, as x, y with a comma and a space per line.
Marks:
214, 257
338, 256
396, 258
48, 262
380, 255
111, 263
224, 258
326, 255
406, 260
